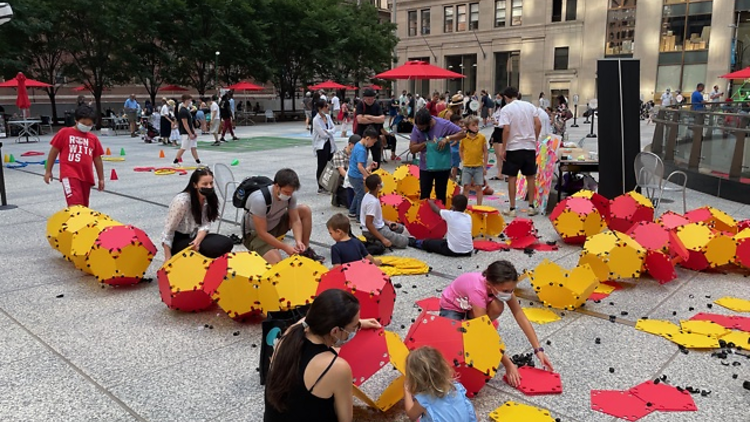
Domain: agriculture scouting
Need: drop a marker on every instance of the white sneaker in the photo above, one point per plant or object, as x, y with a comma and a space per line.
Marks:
532, 212
509, 213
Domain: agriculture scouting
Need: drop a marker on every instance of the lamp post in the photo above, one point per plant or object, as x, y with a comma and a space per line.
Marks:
575, 113
216, 70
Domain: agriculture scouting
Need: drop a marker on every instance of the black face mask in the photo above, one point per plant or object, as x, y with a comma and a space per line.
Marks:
206, 191
471, 131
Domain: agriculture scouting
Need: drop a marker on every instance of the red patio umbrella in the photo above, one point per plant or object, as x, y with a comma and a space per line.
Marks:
329, 84
375, 87
740, 74
417, 69
173, 88
30, 83
351, 88
22, 100
245, 86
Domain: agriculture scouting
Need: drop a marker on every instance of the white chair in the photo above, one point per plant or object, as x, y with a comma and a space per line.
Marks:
225, 185
270, 116
649, 176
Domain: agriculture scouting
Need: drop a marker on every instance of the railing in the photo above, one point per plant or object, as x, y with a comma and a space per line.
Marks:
709, 145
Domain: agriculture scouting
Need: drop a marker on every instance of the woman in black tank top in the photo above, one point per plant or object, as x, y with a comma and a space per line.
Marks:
333, 320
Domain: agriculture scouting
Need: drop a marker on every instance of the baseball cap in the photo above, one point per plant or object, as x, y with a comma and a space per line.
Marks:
368, 92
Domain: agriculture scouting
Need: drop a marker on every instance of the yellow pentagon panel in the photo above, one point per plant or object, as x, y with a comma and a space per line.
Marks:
73, 225
389, 182
625, 262
401, 171
722, 221
390, 213
720, 250
582, 282
186, 270
477, 224
512, 411
640, 199
569, 224
740, 339
56, 221
238, 295
540, 315
494, 224
483, 347
597, 263
128, 263
601, 243
290, 283
593, 224
708, 328
695, 236
693, 340
396, 350
657, 327
560, 289
734, 303
392, 395
83, 241
604, 289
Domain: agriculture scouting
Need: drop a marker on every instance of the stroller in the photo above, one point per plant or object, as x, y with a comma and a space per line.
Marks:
148, 131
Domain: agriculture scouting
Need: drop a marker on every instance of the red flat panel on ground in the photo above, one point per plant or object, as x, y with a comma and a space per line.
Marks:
664, 398
535, 382
622, 404
489, 245
523, 242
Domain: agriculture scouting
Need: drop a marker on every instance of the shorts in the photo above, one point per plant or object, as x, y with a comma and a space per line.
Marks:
485, 112
253, 242
497, 136
454, 315
472, 176
523, 160
131, 117
215, 125
76, 191
308, 114
188, 143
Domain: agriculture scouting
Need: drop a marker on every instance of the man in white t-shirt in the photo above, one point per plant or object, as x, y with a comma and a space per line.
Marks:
544, 118
666, 98
215, 119
458, 240
371, 216
336, 105
521, 128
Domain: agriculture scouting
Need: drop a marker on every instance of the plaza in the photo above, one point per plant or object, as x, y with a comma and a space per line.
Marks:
73, 350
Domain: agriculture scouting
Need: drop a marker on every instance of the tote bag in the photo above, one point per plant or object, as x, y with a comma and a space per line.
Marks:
438, 160
330, 179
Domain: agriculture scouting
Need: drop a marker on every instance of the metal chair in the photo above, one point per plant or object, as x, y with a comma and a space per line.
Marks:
224, 180
46, 122
270, 115
649, 176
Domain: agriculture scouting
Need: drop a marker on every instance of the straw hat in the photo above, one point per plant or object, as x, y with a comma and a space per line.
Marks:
457, 99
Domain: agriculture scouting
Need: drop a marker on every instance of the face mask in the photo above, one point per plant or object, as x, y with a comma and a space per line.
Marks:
284, 197
349, 338
471, 131
503, 297
83, 128
206, 191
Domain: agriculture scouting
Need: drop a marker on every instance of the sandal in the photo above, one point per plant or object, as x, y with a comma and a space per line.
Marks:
495, 178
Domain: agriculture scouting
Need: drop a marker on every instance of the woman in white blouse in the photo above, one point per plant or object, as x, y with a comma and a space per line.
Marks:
190, 216
323, 139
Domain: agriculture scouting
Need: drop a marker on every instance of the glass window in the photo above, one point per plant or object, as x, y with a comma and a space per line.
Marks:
499, 13
507, 66
473, 16
517, 13
692, 75
685, 27
668, 77
426, 22
461, 17
557, 10
570, 10
620, 28
448, 19
412, 23
561, 58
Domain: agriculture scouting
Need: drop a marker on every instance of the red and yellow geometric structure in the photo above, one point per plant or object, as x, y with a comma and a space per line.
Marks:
239, 293
600, 202
389, 182
707, 248
425, 224
714, 218
184, 284
290, 283
562, 289
485, 221
121, 255
613, 256
663, 249
628, 209
407, 180
576, 218
395, 205
742, 240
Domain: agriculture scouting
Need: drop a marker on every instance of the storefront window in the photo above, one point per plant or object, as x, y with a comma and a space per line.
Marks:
620, 28
465, 65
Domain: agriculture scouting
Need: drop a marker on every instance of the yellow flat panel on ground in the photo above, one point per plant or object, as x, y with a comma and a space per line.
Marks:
512, 412
708, 328
740, 339
693, 340
734, 303
540, 315
657, 327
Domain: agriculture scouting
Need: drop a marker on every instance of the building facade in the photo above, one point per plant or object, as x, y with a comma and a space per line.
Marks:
552, 46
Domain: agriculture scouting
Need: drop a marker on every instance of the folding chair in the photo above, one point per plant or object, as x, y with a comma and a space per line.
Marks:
270, 115
649, 176
224, 181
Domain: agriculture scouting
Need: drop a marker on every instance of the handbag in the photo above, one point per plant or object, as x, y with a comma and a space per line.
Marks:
273, 327
438, 160
330, 179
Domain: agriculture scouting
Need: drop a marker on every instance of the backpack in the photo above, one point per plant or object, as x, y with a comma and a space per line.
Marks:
248, 186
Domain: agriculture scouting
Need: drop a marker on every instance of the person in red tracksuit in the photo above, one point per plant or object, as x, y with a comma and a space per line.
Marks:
78, 149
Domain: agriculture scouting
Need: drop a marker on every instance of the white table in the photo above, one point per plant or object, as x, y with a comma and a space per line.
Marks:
26, 129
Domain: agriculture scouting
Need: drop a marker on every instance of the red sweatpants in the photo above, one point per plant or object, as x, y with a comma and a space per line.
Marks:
76, 191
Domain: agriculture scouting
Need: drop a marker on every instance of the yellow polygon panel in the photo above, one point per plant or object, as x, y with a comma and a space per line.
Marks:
540, 315
512, 411
186, 270
720, 250
494, 224
640, 199
483, 347
597, 263
561, 289
390, 213
239, 294
601, 243
389, 182
392, 395
708, 328
397, 351
484, 209
399, 265
657, 327
693, 340
130, 262
83, 241
290, 283
57, 220
695, 236
722, 221
401, 171
740, 339
604, 289
73, 225
477, 224
613, 256
734, 303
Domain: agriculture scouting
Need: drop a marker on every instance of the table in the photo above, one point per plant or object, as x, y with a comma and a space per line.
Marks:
27, 129
574, 166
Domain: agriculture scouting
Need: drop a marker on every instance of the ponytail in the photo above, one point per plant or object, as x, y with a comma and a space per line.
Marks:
286, 359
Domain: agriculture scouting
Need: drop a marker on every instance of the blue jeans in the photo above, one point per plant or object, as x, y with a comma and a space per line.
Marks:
358, 184
455, 315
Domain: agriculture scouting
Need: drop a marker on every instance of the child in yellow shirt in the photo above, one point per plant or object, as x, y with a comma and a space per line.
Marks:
474, 154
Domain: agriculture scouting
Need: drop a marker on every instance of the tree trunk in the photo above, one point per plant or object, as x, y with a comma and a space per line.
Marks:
53, 104
98, 101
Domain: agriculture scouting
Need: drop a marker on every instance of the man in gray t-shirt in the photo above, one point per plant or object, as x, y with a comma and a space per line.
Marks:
271, 212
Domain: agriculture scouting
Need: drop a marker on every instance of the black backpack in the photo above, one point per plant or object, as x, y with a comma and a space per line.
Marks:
248, 186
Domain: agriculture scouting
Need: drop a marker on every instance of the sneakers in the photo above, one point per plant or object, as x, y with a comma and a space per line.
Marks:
322, 191
310, 253
234, 138
216, 144
222, 140
532, 212
509, 212
353, 216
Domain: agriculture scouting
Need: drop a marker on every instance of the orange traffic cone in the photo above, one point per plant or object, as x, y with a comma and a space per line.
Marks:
108, 152
161, 153
113, 175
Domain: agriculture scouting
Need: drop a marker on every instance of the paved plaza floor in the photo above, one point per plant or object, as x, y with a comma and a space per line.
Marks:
71, 350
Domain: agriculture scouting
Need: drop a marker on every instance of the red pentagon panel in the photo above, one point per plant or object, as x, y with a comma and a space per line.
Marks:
582, 206
621, 404
723, 320
696, 261
430, 219
559, 208
744, 224
116, 237
602, 204
414, 170
429, 304
677, 249
472, 379
698, 215
439, 332
535, 382
544, 247
366, 353
490, 245
519, 228
621, 211
142, 237
672, 220
523, 242
664, 397
660, 266
650, 235
215, 274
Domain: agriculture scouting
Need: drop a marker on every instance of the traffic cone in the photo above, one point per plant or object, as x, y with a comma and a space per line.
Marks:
108, 152
113, 175
161, 153
122, 152
236, 162
12, 159
6, 159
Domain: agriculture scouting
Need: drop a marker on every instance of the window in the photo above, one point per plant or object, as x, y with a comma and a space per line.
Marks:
566, 8
465, 65
517, 13
426, 22
448, 19
507, 65
561, 58
557, 10
412, 23
685, 27
620, 28
473, 16
461, 17
499, 13
570, 10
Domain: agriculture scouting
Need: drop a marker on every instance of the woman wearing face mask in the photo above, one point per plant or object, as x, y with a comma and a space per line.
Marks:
190, 216
307, 381
473, 295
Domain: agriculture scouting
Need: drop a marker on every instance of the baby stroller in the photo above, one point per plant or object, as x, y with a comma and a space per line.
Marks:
148, 131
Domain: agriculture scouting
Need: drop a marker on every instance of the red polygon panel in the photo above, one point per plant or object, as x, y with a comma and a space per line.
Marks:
366, 353
535, 381
490, 245
660, 266
621, 404
520, 228
671, 220
744, 224
439, 332
697, 215
677, 249
664, 397
432, 220
650, 235
602, 204
186, 301
598, 296
472, 379
523, 242
696, 261
429, 304
544, 247
215, 274
732, 322
625, 212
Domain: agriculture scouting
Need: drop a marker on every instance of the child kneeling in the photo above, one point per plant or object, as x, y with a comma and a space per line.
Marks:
347, 248
458, 241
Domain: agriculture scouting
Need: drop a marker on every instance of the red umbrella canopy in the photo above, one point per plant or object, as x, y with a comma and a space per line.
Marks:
417, 69
172, 88
30, 83
740, 74
351, 88
22, 100
375, 87
245, 86
329, 84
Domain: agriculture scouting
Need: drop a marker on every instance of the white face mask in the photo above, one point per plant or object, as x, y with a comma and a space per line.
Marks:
503, 297
83, 128
284, 197
349, 337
